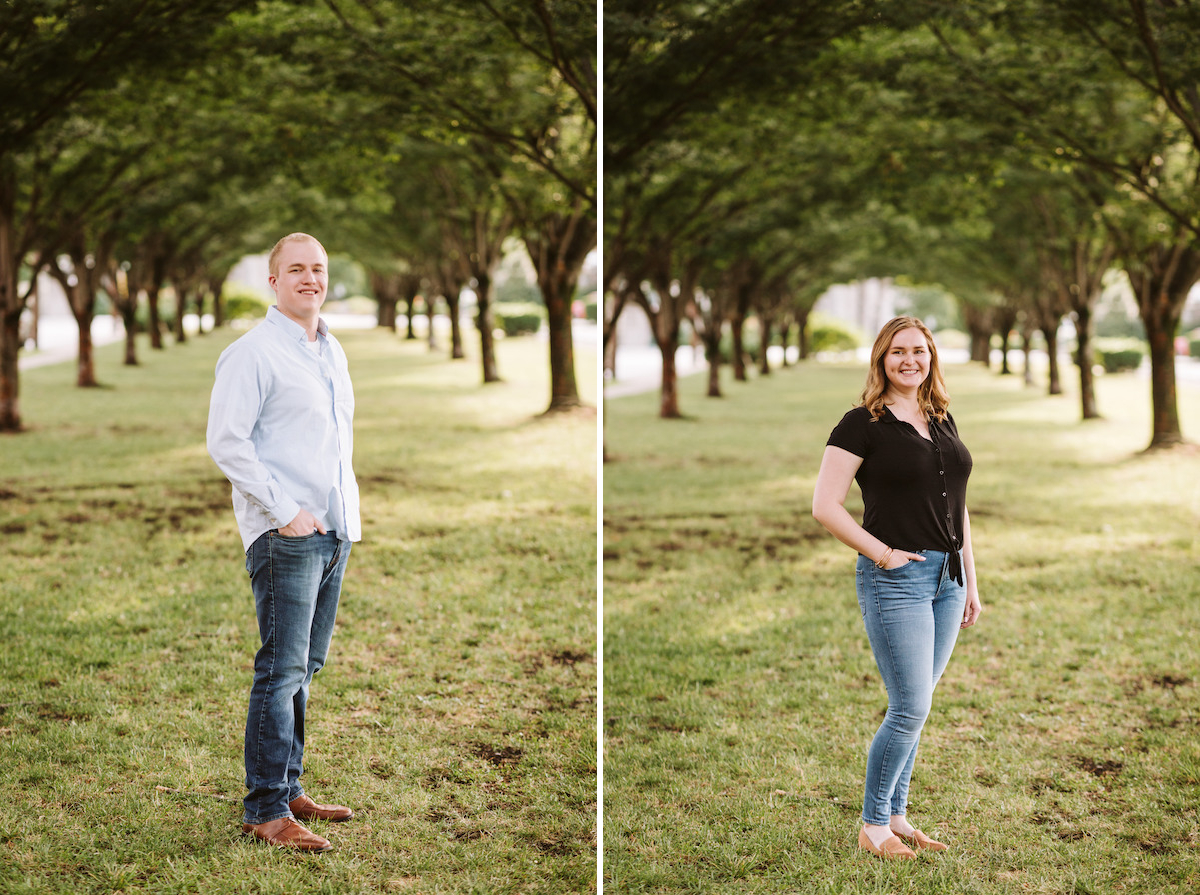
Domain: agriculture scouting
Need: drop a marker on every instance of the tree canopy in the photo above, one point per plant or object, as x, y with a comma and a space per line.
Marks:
1011, 152
163, 140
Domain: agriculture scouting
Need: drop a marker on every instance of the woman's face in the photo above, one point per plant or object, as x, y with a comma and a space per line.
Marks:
906, 363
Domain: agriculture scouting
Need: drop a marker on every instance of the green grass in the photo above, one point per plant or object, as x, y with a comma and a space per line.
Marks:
457, 711
1063, 752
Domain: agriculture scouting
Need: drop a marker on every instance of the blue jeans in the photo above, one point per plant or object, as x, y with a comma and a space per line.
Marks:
912, 615
296, 584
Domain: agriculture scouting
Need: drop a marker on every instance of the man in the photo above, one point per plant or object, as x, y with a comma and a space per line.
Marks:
279, 428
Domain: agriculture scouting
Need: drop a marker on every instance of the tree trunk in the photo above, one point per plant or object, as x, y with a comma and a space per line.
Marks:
430, 313
610, 356
558, 290
409, 289
409, 332
1084, 360
669, 403
764, 366
981, 347
198, 303
1163, 397
11, 307
386, 316
126, 301
979, 327
153, 320
712, 354
386, 298
741, 310
217, 287
1050, 334
10, 345
485, 323
81, 297
611, 314
129, 318
785, 336
1006, 319
558, 250
181, 301
86, 364
1162, 292
739, 352
456, 339
802, 337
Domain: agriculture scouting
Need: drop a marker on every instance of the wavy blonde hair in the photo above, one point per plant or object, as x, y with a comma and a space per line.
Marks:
932, 396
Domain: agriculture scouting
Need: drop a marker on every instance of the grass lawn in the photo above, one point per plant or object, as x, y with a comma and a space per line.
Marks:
457, 711
740, 695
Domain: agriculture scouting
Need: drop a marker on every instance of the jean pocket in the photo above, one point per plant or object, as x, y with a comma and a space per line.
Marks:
274, 532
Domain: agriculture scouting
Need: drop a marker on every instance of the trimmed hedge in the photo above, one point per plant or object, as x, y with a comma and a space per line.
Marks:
518, 318
243, 304
1119, 355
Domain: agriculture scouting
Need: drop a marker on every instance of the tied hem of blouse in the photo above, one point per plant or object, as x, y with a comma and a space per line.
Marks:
955, 570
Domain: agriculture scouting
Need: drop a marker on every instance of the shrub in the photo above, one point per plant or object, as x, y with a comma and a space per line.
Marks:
518, 318
243, 303
1118, 355
830, 334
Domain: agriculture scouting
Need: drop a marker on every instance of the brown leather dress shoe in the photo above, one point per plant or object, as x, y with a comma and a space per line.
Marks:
892, 847
287, 832
306, 809
920, 840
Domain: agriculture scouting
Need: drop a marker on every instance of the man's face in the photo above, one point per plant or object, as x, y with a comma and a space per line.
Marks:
302, 279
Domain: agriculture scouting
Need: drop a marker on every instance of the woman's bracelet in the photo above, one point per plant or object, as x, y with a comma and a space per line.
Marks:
883, 560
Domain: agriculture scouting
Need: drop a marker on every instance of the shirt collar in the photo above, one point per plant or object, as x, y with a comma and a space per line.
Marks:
293, 329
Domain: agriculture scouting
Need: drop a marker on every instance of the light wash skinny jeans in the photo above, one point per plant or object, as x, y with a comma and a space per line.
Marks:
912, 615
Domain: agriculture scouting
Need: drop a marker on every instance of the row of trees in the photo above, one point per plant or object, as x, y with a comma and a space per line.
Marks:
1012, 152
159, 141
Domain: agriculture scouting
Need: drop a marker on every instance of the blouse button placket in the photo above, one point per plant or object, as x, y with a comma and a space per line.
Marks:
942, 472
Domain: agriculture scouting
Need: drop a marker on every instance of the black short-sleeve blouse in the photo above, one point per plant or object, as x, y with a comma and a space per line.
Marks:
914, 489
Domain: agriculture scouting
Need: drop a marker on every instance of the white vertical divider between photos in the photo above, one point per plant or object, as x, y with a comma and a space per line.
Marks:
600, 453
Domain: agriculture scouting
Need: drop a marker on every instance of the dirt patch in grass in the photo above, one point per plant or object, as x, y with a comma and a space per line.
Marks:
499, 756
1099, 767
1171, 681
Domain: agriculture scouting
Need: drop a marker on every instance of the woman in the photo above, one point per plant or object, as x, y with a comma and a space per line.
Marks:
916, 571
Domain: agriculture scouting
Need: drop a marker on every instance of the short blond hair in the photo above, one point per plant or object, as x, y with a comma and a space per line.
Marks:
273, 258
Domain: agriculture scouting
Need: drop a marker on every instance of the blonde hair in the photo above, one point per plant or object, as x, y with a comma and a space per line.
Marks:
273, 258
932, 396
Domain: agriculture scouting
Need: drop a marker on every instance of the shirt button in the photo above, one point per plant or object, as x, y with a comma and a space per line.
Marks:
941, 472
943, 494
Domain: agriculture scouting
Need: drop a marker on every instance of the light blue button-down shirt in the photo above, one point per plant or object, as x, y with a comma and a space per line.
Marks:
280, 428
